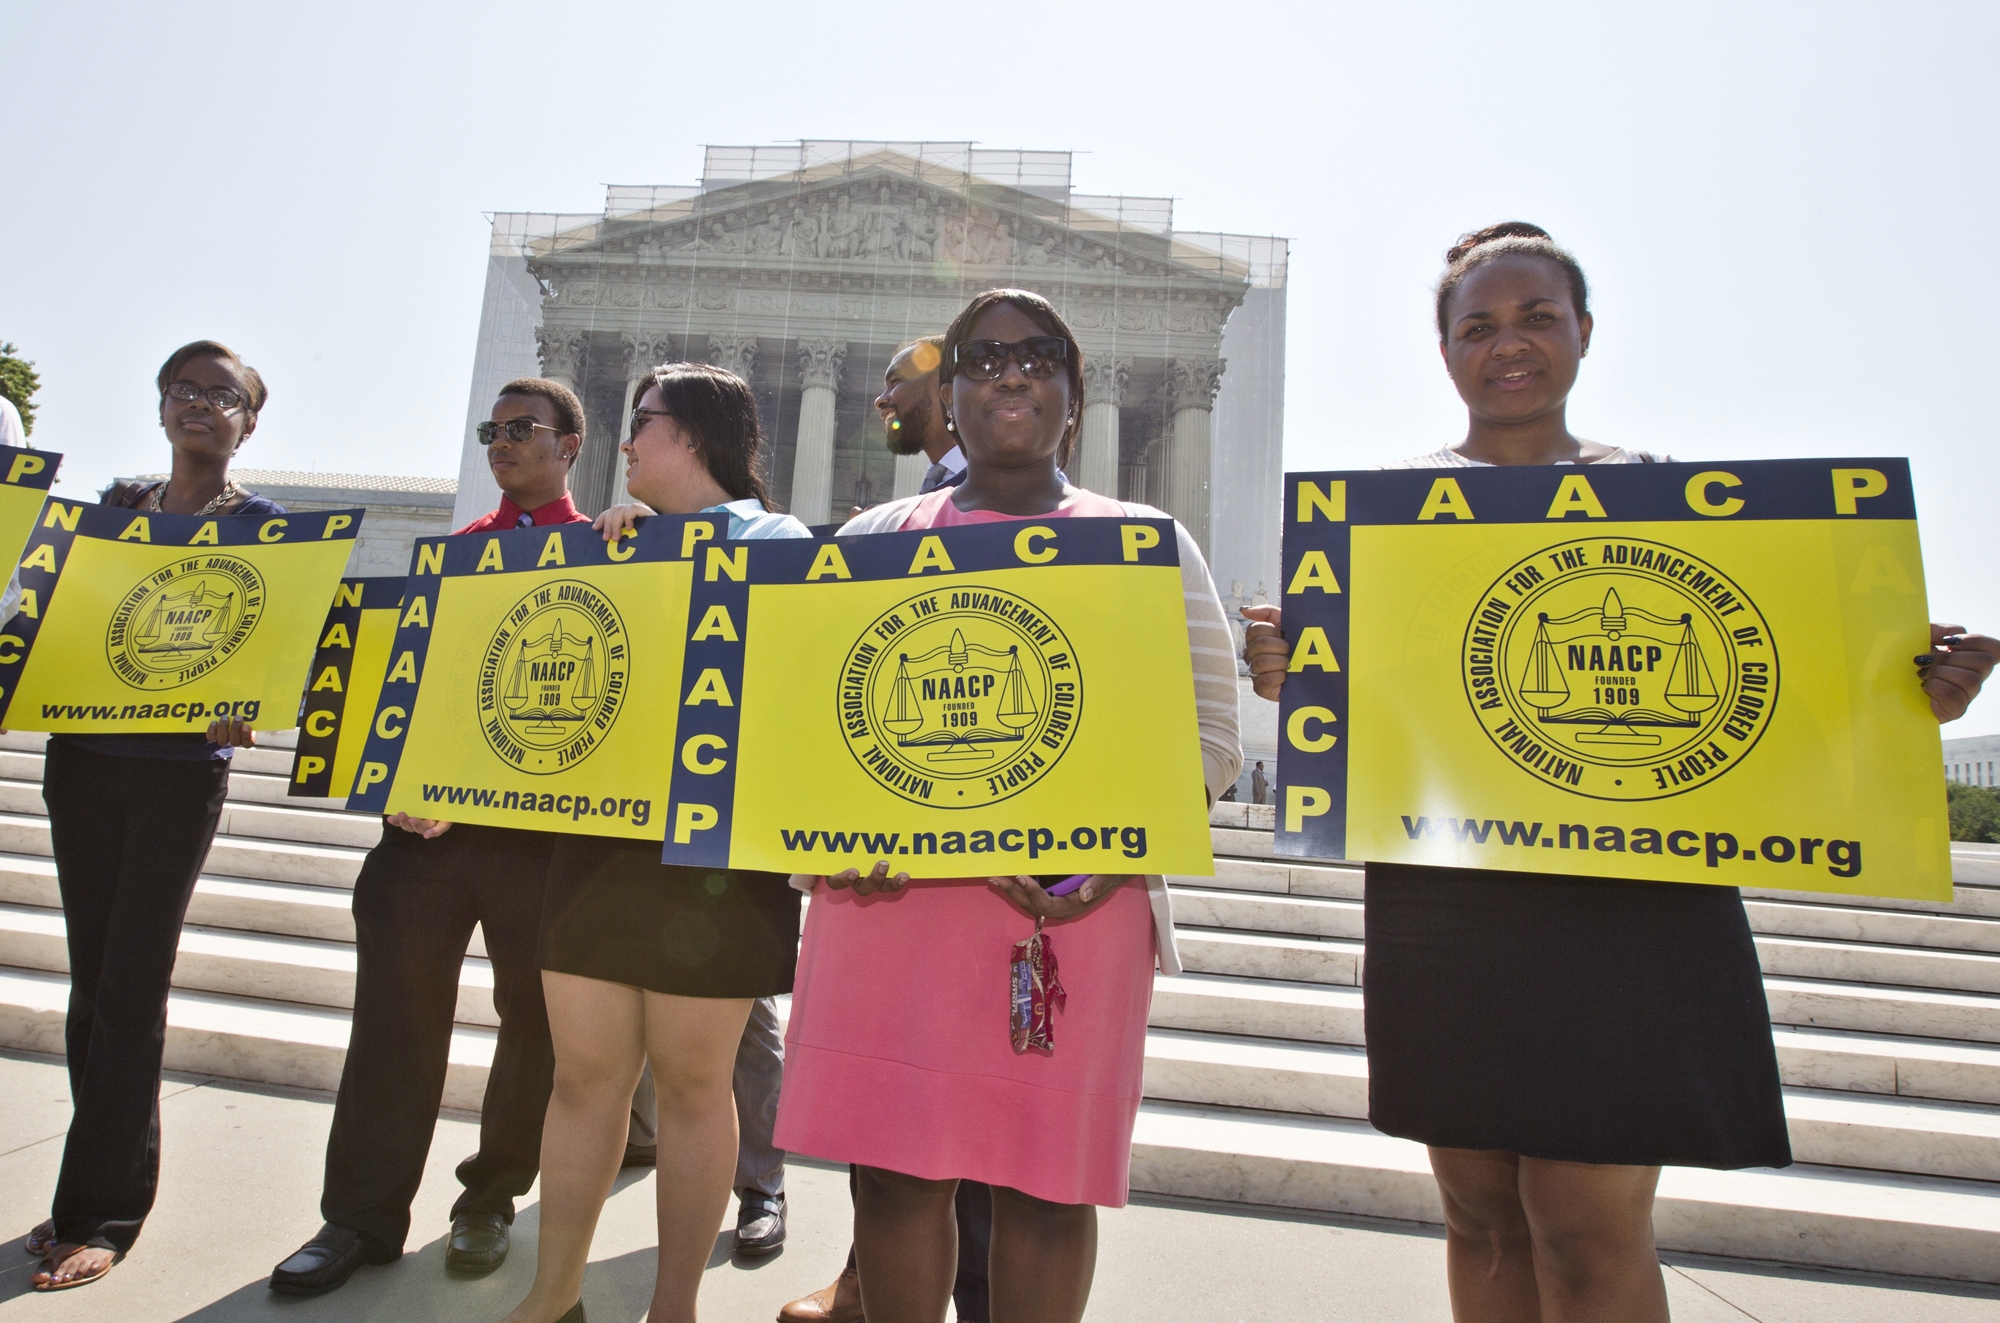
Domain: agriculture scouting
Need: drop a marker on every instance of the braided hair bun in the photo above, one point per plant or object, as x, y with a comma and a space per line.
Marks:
1481, 246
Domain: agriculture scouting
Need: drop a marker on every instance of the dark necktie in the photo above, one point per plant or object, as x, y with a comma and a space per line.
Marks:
934, 478
524, 520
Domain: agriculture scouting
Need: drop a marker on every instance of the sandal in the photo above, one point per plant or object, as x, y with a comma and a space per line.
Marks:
52, 1262
41, 1240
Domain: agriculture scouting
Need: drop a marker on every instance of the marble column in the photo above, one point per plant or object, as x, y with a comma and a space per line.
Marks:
1191, 383
642, 353
1095, 465
564, 354
565, 357
734, 353
820, 362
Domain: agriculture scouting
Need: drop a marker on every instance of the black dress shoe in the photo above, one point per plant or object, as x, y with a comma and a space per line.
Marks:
760, 1224
328, 1260
478, 1243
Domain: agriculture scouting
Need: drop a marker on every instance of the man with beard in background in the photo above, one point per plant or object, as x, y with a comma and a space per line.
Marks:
913, 419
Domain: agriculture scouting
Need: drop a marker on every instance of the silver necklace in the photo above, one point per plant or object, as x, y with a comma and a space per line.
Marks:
230, 491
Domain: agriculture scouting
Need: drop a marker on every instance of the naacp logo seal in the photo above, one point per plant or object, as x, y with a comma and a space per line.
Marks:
184, 620
1620, 669
960, 699
552, 677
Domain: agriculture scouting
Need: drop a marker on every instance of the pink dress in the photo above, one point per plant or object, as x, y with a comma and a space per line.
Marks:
898, 1054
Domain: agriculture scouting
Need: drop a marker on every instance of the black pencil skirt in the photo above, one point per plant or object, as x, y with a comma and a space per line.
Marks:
615, 912
1569, 1018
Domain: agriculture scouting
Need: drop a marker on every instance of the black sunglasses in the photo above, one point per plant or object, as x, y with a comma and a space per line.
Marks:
516, 430
1040, 357
638, 420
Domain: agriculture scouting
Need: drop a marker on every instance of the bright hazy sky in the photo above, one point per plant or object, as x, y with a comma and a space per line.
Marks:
1789, 212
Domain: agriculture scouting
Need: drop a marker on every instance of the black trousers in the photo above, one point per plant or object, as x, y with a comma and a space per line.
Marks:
414, 907
130, 835
973, 1206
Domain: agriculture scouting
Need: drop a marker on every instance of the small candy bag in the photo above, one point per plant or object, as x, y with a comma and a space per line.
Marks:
1034, 993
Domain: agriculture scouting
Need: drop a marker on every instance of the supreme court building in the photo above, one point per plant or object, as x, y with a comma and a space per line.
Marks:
804, 266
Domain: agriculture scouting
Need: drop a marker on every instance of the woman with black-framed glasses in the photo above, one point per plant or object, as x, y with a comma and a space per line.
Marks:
130, 819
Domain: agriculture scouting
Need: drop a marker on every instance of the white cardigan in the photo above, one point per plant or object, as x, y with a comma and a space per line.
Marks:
1211, 647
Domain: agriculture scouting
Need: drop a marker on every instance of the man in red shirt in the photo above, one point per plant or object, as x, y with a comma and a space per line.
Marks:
421, 890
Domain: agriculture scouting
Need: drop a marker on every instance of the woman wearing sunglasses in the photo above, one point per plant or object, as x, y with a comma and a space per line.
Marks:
1556, 1040
643, 963
897, 1058
130, 820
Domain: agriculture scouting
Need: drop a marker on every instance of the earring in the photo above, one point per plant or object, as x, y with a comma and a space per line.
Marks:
949, 426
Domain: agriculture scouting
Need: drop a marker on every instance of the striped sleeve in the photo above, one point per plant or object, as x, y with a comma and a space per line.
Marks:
1212, 649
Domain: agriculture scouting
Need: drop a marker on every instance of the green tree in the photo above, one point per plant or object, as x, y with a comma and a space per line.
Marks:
1975, 813
18, 382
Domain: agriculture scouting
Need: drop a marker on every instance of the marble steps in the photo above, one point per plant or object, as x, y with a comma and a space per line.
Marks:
239, 1038
275, 822
1302, 958
299, 970
1257, 955
1274, 877
270, 859
1865, 1042
1786, 928
1888, 1065
1830, 1216
1830, 1127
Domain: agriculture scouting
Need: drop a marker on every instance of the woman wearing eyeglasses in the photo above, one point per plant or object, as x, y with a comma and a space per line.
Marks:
898, 1055
130, 819
643, 963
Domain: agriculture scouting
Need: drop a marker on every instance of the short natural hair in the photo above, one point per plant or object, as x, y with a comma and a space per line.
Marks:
1476, 249
253, 384
934, 342
715, 408
569, 409
1043, 314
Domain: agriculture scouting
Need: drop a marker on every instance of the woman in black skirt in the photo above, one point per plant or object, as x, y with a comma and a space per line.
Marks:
1556, 1040
646, 963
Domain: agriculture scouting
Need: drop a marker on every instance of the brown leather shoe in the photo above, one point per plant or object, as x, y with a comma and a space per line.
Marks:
839, 1303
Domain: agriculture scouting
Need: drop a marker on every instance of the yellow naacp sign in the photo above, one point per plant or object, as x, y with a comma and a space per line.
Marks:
1672, 672
346, 678
533, 679
25, 478
133, 622
1003, 698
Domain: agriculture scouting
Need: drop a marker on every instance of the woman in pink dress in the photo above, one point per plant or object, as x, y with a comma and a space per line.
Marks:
898, 1057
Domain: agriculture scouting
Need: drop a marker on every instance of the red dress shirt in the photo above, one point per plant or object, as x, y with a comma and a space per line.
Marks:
509, 515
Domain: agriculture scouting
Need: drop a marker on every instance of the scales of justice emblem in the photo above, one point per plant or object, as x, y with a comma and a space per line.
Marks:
553, 677
1620, 669
183, 620
960, 698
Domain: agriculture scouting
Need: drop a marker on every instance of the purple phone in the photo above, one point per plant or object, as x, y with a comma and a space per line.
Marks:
1069, 884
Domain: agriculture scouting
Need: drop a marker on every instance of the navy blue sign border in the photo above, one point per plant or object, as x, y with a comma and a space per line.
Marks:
1322, 508
434, 559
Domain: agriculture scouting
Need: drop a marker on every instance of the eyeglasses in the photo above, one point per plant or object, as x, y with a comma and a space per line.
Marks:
516, 430
221, 397
639, 417
1040, 357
